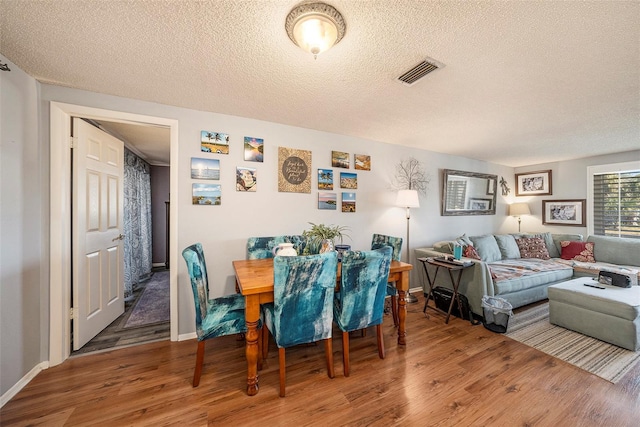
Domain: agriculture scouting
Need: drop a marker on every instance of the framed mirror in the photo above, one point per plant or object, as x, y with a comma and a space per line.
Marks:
468, 193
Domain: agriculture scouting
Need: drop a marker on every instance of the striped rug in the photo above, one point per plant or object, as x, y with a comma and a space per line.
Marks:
532, 327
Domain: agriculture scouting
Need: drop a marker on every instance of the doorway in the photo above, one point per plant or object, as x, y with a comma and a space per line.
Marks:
60, 249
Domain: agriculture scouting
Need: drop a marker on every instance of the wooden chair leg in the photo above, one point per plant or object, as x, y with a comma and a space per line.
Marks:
345, 353
394, 310
260, 344
281, 358
199, 361
265, 341
328, 351
380, 341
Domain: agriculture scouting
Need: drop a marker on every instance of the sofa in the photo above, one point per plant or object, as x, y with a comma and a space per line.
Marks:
520, 267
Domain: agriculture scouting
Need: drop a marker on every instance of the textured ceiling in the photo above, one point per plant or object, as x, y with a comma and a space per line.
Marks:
523, 82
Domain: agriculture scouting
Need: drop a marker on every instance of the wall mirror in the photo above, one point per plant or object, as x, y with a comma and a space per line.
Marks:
468, 193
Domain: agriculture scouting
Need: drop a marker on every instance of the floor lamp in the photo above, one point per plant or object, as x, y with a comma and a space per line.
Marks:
408, 199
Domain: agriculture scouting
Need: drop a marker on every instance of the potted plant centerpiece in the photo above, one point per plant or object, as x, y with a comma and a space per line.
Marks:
321, 237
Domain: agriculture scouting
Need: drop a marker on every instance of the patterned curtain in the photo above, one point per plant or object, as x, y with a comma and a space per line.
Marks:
137, 221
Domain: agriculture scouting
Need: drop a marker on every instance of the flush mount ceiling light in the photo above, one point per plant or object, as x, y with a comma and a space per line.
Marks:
315, 27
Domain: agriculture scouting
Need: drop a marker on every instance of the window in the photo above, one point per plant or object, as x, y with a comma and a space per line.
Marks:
615, 200
456, 194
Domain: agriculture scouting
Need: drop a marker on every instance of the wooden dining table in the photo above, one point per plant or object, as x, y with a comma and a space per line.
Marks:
255, 281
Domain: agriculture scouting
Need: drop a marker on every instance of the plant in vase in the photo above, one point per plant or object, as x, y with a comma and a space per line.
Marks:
321, 237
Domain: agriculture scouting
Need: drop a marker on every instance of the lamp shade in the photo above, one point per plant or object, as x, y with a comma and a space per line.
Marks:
517, 209
408, 199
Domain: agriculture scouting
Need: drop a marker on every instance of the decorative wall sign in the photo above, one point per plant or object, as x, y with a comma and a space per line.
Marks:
348, 180
348, 202
214, 142
206, 194
327, 201
246, 179
205, 168
533, 183
294, 168
564, 212
340, 159
325, 179
253, 149
362, 162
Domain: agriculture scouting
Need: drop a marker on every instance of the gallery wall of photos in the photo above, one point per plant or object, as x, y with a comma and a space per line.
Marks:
294, 172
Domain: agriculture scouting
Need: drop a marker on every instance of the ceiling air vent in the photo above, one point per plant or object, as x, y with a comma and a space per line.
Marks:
419, 71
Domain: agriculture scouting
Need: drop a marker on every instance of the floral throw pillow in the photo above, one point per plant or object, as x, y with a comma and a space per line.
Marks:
532, 247
470, 252
577, 251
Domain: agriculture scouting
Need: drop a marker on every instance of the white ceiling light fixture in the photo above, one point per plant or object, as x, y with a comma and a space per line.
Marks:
315, 27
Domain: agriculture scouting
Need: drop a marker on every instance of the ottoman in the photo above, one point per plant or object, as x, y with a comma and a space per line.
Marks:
611, 314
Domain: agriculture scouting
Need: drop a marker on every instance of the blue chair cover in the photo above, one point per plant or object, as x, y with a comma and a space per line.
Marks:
261, 247
379, 241
214, 317
360, 301
303, 290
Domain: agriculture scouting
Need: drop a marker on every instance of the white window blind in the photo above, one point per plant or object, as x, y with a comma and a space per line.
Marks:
616, 204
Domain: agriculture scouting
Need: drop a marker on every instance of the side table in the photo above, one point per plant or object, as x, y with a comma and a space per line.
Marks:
450, 266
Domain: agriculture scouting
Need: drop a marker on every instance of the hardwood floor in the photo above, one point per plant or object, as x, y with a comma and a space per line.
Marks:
454, 374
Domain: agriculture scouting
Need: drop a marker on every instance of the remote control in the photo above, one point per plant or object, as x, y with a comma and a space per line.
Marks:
594, 286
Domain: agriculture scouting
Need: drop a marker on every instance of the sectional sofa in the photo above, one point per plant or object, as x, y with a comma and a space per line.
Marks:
520, 267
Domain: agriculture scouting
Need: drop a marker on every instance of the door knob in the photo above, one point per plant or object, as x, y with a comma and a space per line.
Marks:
120, 237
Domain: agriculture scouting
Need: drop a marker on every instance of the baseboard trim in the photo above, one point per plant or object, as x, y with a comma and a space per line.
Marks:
189, 336
23, 382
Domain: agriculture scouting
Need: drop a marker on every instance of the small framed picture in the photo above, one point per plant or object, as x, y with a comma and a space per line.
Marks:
362, 162
206, 194
340, 159
325, 179
205, 168
348, 202
246, 179
533, 183
253, 149
214, 142
479, 204
327, 201
349, 180
564, 212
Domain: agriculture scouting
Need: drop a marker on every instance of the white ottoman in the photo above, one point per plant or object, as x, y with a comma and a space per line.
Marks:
611, 314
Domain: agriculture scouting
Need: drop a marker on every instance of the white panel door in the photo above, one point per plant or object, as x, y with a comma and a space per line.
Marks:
98, 252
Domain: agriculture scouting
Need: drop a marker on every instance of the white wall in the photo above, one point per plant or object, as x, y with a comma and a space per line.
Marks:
22, 269
569, 181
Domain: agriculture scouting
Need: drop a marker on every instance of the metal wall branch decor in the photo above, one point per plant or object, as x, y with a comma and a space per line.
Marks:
410, 175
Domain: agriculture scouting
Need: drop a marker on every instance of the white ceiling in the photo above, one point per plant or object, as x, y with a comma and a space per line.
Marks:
524, 82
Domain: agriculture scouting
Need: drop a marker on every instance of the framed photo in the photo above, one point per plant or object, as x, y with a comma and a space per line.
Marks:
246, 179
348, 180
206, 194
205, 168
340, 159
362, 162
533, 183
348, 202
325, 179
253, 149
327, 201
214, 142
479, 204
564, 212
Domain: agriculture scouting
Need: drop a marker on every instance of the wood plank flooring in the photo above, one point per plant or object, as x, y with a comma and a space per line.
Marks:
454, 374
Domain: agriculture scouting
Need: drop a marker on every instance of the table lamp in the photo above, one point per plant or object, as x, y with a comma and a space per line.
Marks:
519, 209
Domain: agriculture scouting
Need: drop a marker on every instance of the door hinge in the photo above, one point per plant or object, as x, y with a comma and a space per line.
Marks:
72, 141
71, 312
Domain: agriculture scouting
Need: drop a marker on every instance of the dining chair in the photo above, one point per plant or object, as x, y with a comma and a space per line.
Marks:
379, 241
214, 317
262, 247
360, 301
302, 308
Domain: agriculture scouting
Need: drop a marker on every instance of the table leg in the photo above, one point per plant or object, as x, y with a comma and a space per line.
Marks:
403, 288
252, 317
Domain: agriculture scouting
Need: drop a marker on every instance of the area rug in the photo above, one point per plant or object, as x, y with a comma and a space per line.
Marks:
532, 327
153, 305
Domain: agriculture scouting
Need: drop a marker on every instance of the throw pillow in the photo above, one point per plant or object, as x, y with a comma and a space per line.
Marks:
508, 247
532, 247
577, 251
487, 248
470, 252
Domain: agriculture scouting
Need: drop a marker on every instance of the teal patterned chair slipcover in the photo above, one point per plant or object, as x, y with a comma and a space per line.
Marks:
261, 247
379, 241
360, 301
214, 317
302, 308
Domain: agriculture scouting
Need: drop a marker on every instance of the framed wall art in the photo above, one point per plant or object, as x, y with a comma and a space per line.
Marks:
327, 201
206, 194
294, 167
253, 149
348, 180
533, 183
325, 179
348, 202
564, 212
246, 179
340, 159
214, 142
205, 168
479, 204
362, 162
